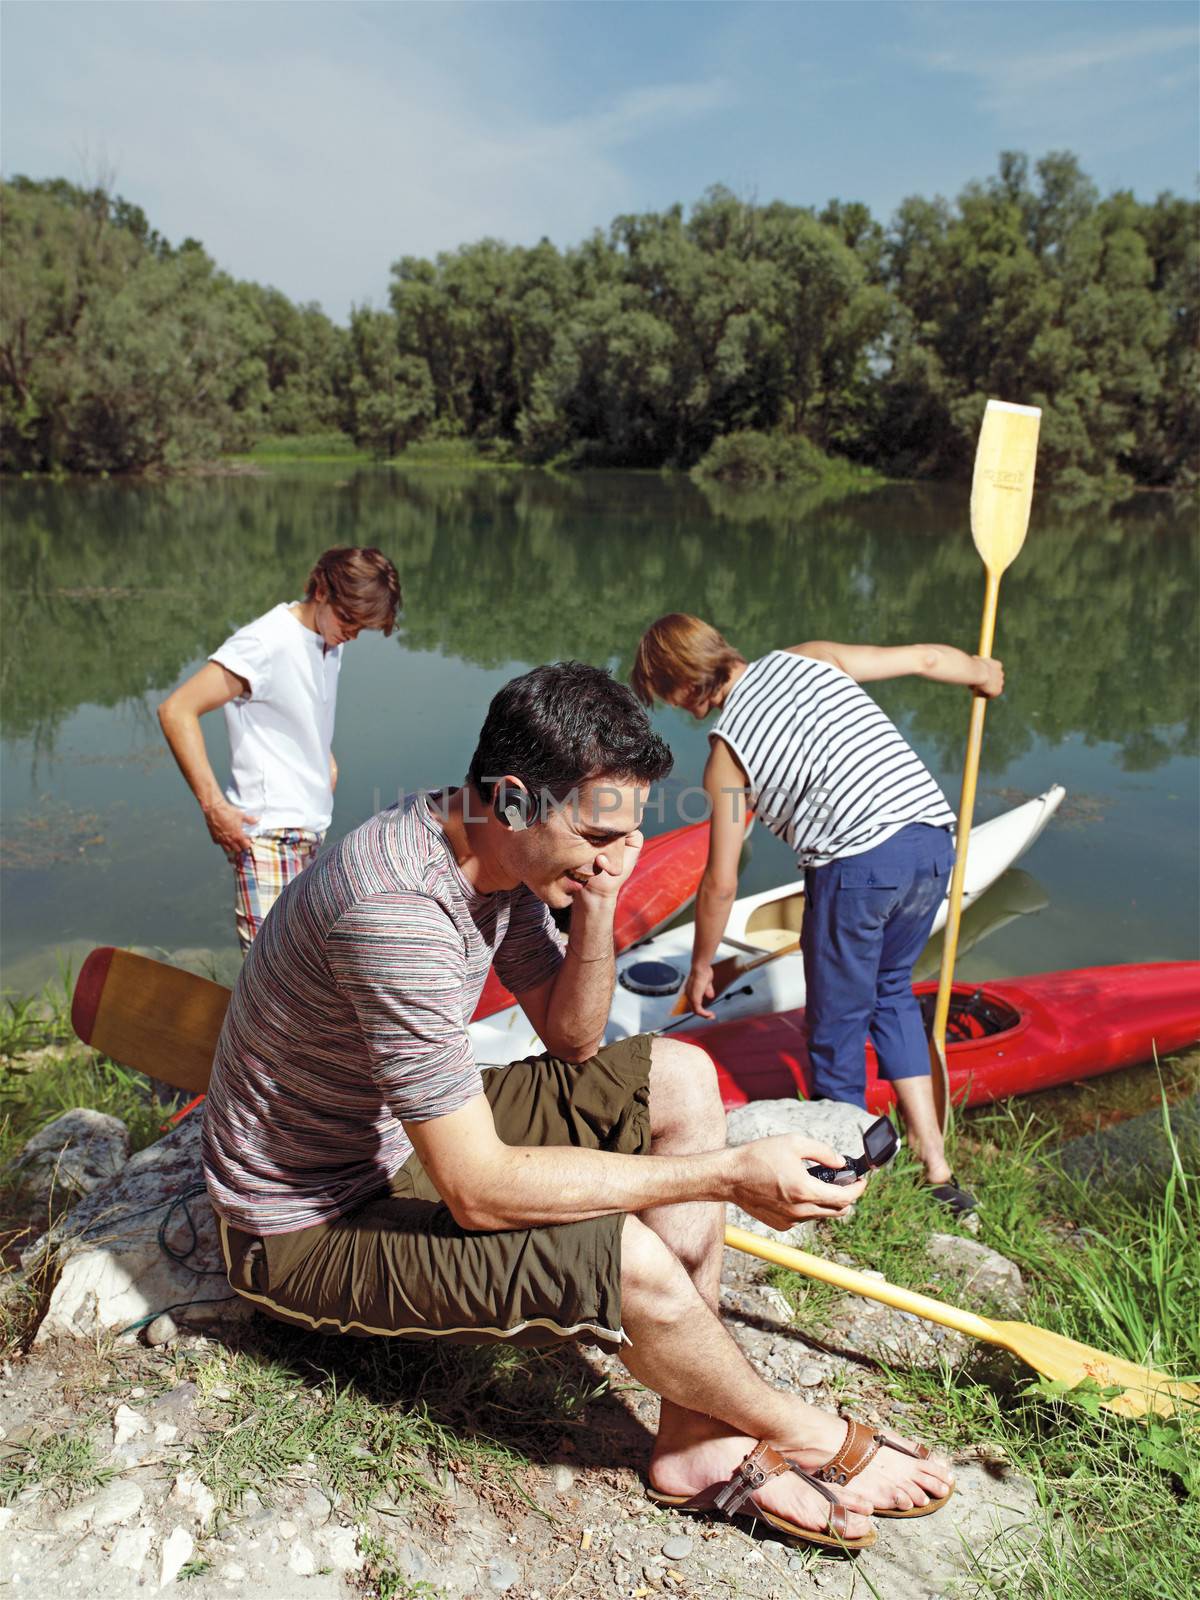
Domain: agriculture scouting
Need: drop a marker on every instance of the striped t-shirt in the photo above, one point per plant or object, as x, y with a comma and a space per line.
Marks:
350, 1017
828, 771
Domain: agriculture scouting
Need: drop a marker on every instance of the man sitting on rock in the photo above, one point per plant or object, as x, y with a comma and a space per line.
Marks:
368, 1178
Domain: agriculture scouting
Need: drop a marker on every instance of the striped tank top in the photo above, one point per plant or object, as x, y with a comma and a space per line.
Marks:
828, 771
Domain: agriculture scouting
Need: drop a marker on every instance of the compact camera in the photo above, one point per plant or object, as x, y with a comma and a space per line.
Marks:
880, 1143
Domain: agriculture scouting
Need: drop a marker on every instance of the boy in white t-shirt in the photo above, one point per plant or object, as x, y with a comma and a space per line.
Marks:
277, 680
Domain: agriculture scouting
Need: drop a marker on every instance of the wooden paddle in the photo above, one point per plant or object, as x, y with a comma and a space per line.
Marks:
729, 969
164, 1022
1054, 1356
159, 1019
1001, 495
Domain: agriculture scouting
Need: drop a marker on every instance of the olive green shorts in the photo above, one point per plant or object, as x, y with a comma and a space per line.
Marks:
400, 1265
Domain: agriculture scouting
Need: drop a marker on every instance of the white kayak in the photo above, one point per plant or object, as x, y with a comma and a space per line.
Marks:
651, 975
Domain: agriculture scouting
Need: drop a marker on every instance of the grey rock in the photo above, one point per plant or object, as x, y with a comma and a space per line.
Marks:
72, 1155
113, 1271
177, 1551
132, 1547
678, 1549
858, 1326
864, 1328
340, 1548
502, 1574
810, 1377
834, 1122
316, 1506
127, 1423
175, 1403
75, 1517
162, 1330
562, 1477
984, 1274
189, 1494
119, 1502
301, 1560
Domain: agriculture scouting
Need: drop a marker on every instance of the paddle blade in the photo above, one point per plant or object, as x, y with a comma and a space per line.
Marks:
1056, 1357
144, 1014
1002, 488
1067, 1361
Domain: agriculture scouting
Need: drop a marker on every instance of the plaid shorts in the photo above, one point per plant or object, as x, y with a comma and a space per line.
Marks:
261, 874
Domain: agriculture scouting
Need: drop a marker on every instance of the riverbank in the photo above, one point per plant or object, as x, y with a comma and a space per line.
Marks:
374, 1468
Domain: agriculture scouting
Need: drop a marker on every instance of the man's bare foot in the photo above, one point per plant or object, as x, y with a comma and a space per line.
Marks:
891, 1480
684, 1466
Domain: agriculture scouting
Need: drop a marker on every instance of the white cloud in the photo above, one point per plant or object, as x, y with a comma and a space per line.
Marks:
1010, 77
314, 169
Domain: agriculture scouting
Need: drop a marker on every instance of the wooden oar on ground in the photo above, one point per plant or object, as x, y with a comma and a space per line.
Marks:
1054, 1356
164, 1022
1001, 495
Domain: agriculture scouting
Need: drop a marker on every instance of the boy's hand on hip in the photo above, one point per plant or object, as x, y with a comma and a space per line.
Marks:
227, 827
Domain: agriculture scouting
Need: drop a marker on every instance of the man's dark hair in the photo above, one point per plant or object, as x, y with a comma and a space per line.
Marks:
561, 726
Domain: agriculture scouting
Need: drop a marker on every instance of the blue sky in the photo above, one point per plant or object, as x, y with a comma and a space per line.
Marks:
310, 145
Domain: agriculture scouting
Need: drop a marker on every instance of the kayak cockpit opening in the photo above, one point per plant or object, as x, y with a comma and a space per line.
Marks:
973, 1015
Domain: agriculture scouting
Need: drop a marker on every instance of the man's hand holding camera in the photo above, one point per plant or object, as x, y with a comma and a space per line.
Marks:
772, 1182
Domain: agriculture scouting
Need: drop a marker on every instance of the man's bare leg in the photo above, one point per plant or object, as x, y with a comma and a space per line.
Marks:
714, 1405
686, 1117
922, 1126
719, 1405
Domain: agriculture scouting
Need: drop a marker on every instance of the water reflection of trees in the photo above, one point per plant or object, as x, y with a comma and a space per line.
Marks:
110, 590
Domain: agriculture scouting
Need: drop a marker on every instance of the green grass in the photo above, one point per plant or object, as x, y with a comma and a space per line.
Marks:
382, 1579
460, 454
64, 1465
371, 1420
37, 1087
332, 446
33, 1021
32, 1096
1118, 1499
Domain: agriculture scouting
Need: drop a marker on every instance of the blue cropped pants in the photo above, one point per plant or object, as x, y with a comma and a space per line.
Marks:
866, 920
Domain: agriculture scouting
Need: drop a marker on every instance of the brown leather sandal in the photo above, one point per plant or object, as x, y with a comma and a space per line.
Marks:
860, 1446
733, 1497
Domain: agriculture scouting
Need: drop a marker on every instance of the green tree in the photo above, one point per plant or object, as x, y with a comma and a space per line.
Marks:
391, 394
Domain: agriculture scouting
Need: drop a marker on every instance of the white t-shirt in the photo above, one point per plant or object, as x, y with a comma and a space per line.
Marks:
281, 733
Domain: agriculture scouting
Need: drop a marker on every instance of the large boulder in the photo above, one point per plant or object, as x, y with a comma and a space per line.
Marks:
143, 1243
70, 1156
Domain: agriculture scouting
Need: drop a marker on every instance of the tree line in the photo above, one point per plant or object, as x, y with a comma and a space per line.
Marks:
749, 336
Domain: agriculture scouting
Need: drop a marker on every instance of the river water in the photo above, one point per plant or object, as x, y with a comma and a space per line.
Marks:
114, 592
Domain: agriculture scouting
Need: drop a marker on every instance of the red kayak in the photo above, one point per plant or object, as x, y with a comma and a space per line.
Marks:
664, 881
1003, 1038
